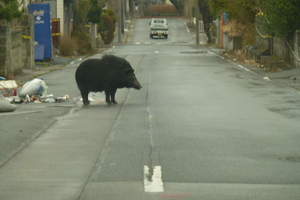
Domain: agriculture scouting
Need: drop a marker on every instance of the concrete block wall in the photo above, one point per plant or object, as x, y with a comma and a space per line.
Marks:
14, 50
3, 68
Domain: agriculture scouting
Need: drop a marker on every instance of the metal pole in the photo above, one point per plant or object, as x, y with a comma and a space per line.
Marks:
123, 16
9, 65
32, 41
119, 22
197, 23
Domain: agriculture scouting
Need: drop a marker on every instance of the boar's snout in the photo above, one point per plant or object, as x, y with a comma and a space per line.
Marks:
136, 84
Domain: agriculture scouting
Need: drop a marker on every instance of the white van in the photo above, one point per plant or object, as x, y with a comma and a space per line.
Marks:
159, 28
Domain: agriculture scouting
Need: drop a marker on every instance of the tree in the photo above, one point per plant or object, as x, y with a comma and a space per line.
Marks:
95, 11
282, 16
206, 17
243, 11
178, 5
9, 9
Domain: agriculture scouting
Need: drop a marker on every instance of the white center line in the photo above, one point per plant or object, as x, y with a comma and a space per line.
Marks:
153, 180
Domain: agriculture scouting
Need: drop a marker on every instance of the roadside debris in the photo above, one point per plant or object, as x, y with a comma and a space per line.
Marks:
38, 99
8, 88
5, 105
35, 87
34, 91
267, 78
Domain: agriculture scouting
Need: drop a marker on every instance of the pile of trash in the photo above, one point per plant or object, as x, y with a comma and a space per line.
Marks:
34, 91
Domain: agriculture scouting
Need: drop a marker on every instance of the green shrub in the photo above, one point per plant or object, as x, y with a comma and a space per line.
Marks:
9, 9
82, 40
107, 26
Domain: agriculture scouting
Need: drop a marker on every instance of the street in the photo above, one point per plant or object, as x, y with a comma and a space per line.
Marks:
201, 128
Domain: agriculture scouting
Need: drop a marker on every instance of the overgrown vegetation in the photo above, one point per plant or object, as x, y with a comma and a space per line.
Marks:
207, 17
67, 46
87, 12
95, 11
179, 4
9, 9
282, 16
242, 10
242, 15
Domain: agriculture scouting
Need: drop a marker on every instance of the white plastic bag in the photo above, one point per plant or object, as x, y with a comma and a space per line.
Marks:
5, 105
36, 87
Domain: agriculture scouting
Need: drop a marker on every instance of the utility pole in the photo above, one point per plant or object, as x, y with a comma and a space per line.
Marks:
120, 21
122, 16
197, 22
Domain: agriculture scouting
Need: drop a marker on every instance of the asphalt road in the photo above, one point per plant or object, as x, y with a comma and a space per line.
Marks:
201, 128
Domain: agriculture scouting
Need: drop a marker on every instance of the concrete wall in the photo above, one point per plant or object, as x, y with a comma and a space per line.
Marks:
2, 50
280, 49
15, 49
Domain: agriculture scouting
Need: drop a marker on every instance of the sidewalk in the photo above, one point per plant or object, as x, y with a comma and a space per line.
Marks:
288, 77
40, 69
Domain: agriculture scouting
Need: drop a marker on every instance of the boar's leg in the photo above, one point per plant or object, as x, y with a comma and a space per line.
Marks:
112, 96
85, 97
107, 96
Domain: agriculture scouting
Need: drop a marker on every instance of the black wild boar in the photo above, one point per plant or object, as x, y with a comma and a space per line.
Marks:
106, 74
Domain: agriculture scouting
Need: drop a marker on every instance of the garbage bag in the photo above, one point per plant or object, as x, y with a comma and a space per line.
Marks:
36, 87
5, 105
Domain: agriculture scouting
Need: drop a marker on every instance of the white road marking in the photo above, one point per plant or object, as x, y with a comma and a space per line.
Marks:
153, 182
156, 52
137, 43
240, 66
187, 28
244, 68
267, 78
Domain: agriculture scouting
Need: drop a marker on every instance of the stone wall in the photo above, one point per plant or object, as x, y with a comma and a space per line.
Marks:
15, 49
3, 52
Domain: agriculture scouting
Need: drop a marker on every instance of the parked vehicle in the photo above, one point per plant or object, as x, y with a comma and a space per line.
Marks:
159, 28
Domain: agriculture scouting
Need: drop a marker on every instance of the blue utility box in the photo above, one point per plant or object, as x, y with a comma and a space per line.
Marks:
43, 36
